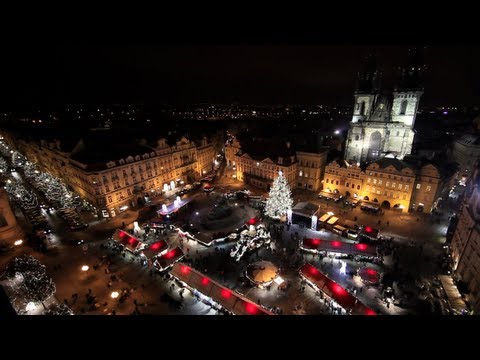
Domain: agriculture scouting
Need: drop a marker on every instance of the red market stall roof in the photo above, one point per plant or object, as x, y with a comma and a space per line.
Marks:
127, 240
230, 300
370, 275
334, 291
369, 232
309, 244
169, 258
154, 249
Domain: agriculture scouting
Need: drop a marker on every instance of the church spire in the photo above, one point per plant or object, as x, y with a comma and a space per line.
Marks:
369, 79
411, 75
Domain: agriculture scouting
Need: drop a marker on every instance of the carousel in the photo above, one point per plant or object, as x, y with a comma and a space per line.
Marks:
262, 273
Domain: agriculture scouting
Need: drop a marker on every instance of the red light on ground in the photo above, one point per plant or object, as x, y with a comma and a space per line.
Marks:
226, 294
337, 289
336, 243
252, 221
170, 254
185, 270
361, 247
205, 281
370, 312
368, 229
316, 242
251, 308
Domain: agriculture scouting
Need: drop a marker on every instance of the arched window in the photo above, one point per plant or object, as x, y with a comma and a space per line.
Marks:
357, 137
403, 107
358, 187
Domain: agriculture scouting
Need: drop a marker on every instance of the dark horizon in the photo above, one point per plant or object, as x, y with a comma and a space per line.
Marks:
247, 73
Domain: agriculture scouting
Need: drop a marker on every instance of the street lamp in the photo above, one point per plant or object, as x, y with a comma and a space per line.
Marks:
18, 242
114, 294
85, 268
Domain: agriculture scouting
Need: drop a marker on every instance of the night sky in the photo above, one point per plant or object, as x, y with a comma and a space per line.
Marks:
259, 72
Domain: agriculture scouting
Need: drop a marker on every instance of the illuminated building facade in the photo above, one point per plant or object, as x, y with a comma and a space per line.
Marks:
466, 242
114, 178
382, 125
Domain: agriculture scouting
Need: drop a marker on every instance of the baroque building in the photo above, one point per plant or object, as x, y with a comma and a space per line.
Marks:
113, 173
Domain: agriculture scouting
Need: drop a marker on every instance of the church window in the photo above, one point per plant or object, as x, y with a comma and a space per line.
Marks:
403, 107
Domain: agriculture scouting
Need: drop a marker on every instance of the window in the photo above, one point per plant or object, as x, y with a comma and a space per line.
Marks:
374, 181
403, 107
399, 186
299, 184
398, 133
357, 137
300, 173
391, 194
109, 198
326, 180
129, 192
404, 197
379, 182
418, 186
353, 186
347, 184
107, 188
369, 180
393, 185
336, 182
310, 186
406, 187
429, 188
387, 184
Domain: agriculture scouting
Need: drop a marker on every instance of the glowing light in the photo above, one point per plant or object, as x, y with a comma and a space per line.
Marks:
185, 270
226, 294
30, 306
85, 268
114, 294
330, 213
336, 243
370, 312
252, 221
361, 247
170, 254
371, 272
205, 281
337, 132
18, 242
251, 308
368, 229
337, 289
196, 213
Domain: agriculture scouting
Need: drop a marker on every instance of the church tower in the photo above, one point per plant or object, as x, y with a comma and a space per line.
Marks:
408, 90
383, 125
366, 90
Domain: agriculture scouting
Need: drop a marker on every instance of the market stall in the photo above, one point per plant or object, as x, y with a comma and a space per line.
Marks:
211, 292
320, 245
168, 259
129, 242
334, 291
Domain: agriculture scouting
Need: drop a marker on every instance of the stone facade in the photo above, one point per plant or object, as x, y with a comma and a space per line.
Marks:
302, 169
390, 182
466, 243
123, 182
10, 231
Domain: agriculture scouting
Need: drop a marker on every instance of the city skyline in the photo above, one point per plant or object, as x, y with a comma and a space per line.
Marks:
267, 72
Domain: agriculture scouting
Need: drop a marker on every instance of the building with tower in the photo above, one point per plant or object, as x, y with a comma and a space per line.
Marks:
380, 124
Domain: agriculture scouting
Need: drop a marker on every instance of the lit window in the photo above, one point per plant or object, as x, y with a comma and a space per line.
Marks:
374, 181
300, 173
406, 187
379, 182
393, 185
418, 186
369, 180
388, 183
399, 186
429, 188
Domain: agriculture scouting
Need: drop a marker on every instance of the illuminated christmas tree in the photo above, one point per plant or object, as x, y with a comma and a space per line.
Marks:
280, 199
